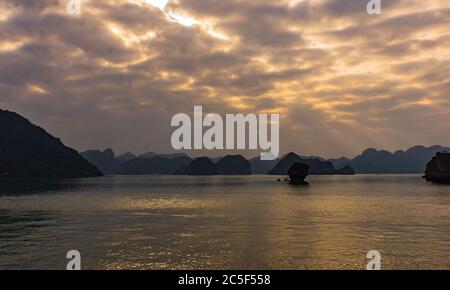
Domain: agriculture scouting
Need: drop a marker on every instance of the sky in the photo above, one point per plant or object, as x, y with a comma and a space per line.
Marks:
341, 80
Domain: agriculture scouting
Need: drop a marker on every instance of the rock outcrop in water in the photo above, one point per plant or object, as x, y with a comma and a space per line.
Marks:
438, 169
234, 165
27, 150
298, 172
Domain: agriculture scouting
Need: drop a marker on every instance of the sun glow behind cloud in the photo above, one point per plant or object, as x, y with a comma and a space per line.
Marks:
161, 4
171, 15
183, 19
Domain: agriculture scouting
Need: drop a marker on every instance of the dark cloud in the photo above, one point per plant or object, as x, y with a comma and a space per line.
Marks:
115, 75
34, 5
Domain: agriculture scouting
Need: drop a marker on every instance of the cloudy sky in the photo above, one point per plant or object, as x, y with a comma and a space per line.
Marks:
341, 79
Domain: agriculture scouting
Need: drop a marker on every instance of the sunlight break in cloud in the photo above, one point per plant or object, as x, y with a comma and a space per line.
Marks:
161, 4
171, 15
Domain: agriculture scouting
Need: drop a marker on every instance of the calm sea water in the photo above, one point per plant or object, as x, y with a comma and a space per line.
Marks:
251, 222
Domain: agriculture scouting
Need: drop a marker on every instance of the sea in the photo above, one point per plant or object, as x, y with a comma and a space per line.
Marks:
225, 222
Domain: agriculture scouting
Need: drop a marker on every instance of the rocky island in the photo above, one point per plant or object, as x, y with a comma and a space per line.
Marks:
298, 172
27, 150
438, 169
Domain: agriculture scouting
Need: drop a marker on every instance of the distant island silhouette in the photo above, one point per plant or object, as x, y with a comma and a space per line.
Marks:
371, 161
177, 164
27, 150
316, 166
